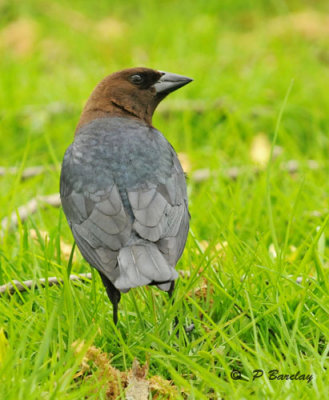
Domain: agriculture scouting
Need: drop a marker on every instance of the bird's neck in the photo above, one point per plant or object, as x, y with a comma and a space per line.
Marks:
111, 109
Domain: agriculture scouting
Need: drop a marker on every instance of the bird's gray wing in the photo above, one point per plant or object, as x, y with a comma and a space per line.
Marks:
161, 212
98, 220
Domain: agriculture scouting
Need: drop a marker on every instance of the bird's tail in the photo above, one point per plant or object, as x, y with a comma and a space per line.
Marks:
142, 264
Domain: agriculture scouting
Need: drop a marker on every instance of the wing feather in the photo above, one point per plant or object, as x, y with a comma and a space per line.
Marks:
100, 226
161, 213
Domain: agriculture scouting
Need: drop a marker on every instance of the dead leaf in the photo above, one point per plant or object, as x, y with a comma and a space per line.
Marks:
66, 250
161, 387
260, 150
19, 37
272, 251
202, 291
65, 247
114, 380
201, 175
218, 250
204, 244
185, 161
309, 23
134, 382
34, 234
138, 385
110, 28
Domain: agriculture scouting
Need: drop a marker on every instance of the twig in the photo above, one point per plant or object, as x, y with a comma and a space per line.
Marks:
23, 212
15, 286
197, 176
29, 172
291, 166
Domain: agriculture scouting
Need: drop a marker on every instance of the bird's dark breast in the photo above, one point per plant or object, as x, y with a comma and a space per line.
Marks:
117, 150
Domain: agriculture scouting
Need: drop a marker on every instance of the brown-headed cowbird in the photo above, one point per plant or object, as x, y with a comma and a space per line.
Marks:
122, 187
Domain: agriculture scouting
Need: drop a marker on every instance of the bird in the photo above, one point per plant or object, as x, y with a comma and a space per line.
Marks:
122, 187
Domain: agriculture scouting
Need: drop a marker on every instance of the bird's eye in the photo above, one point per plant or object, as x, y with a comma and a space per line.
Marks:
136, 79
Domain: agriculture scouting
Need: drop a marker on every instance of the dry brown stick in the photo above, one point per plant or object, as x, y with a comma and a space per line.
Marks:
17, 286
200, 175
27, 173
28, 209
291, 166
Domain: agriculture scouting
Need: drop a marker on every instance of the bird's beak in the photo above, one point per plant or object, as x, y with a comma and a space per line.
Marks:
169, 82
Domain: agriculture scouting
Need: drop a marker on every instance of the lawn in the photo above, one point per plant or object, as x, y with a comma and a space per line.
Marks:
252, 133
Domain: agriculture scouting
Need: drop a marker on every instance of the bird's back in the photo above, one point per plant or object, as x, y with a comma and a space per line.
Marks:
124, 194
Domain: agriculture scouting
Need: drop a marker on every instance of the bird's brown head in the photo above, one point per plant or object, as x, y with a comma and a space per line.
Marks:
133, 93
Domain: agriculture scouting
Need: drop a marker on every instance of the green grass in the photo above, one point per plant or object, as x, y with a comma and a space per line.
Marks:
259, 67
